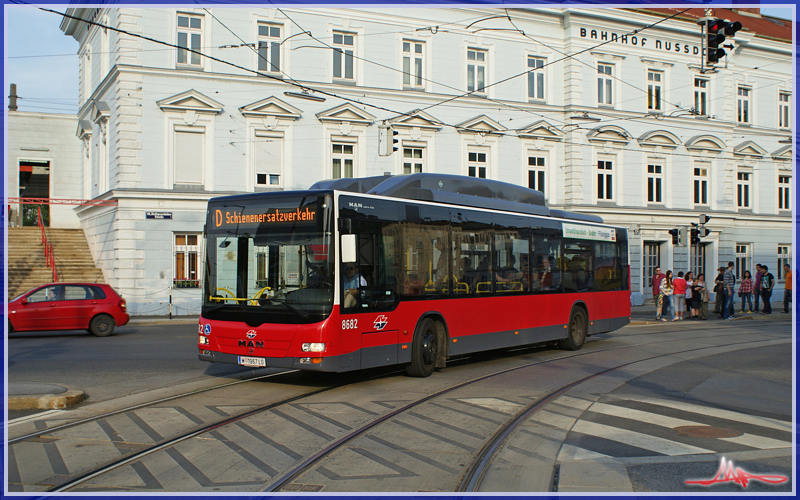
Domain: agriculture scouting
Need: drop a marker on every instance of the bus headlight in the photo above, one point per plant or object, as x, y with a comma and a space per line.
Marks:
314, 347
203, 340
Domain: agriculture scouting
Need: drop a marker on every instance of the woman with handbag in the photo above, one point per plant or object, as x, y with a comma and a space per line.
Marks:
699, 289
666, 291
719, 296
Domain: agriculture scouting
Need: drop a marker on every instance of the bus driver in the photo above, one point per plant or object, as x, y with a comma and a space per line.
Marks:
352, 280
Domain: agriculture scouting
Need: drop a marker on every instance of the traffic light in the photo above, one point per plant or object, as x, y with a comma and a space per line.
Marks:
695, 236
714, 39
391, 141
703, 232
716, 31
674, 233
683, 235
703, 219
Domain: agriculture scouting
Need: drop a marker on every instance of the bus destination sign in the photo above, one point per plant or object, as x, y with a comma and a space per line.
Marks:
269, 216
582, 232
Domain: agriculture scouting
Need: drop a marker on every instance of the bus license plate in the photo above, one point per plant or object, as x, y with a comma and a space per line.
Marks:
245, 361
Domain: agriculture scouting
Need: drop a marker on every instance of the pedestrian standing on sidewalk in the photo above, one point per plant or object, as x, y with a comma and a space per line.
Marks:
700, 286
658, 299
767, 282
746, 291
719, 301
678, 297
787, 292
666, 292
728, 281
757, 286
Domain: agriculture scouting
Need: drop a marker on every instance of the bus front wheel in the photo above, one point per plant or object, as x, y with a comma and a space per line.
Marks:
423, 349
576, 331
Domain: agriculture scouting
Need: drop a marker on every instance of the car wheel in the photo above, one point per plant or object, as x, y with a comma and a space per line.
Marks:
10, 327
423, 349
102, 325
577, 331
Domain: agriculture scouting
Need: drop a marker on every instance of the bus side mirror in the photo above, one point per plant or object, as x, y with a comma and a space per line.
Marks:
348, 248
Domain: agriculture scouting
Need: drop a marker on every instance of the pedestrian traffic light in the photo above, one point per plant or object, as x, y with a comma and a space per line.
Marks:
714, 37
674, 233
695, 236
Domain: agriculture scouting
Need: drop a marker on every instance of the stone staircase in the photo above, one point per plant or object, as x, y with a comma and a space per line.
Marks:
27, 267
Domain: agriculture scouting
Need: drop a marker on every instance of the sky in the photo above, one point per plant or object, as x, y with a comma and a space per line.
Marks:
43, 62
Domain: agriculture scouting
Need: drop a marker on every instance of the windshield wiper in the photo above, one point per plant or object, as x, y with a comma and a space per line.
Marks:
294, 309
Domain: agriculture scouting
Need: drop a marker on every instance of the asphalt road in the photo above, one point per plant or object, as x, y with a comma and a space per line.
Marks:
134, 359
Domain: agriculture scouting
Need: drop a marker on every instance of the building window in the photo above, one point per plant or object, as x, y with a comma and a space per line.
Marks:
701, 184
655, 183
743, 189
343, 53
743, 259
784, 257
477, 164
785, 110
413, 62
476, 70
268, 149
413, 160
536, 78
697, 259
701, 96
187, 251
605, 84
784, 192
743, 105
536, 173
651, 260
188, 155
190, 34
654, 79
343, 160
269, 47
605, 180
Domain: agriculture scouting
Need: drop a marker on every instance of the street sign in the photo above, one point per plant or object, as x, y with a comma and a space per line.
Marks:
158, 215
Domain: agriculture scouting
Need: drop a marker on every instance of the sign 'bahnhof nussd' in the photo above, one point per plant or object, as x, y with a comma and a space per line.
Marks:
640, 41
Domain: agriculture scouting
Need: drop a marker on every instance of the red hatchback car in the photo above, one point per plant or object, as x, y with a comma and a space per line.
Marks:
95, 307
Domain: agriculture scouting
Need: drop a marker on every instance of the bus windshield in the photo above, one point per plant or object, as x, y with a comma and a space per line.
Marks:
268, 260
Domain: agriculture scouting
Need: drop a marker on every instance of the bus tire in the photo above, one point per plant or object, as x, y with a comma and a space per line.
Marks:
101, 325
424, 348
576, 335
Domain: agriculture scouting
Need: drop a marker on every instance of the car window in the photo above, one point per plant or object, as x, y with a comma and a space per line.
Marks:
97, 292
76, 292
49, 293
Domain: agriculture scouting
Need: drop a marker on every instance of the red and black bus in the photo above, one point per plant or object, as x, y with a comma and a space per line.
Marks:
409, 270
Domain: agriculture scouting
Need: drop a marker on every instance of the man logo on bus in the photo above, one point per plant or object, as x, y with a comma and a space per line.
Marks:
251, 334
380, 322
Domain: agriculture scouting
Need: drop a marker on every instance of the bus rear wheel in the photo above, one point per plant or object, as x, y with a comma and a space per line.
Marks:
576, 331
424, 347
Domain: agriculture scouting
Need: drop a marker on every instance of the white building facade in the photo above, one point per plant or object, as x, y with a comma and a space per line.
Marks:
630, 130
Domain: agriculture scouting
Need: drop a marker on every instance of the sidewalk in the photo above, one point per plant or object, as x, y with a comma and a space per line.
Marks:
646, 314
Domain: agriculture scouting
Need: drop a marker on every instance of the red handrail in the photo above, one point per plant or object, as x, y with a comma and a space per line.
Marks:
49, 257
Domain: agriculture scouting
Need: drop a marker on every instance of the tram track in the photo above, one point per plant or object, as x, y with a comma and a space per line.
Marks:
468, 482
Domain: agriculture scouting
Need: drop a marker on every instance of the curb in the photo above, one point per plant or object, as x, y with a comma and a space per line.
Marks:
45, 401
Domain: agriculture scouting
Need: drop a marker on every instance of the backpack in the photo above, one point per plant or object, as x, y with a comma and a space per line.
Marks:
766, 281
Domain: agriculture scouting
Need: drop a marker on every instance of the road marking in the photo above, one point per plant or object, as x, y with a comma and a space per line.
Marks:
36, 416
571, 453
640, 416
716, 412
637, 439
762, 443
496, 404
